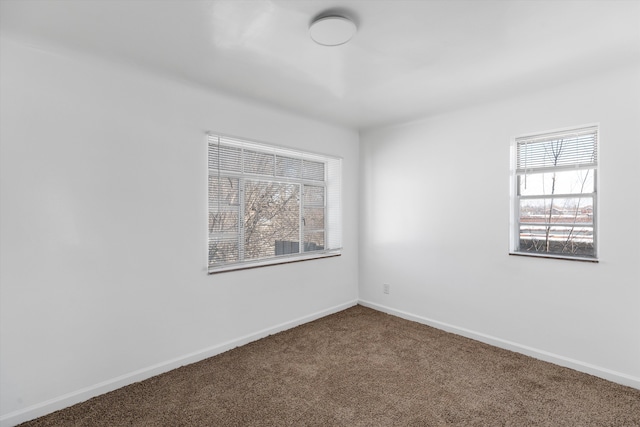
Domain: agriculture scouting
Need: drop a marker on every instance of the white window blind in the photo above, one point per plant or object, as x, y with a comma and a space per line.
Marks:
271, 205
556, 151
555, 194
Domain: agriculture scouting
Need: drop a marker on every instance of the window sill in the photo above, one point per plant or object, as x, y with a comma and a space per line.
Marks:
562, 257
273, 261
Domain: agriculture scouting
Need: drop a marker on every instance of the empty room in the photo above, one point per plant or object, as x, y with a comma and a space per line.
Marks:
322, 213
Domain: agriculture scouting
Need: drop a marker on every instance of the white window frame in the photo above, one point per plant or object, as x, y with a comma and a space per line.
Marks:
520, 169
331, 182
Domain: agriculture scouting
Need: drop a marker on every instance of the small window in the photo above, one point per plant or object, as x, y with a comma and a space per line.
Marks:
271, 205
554, 211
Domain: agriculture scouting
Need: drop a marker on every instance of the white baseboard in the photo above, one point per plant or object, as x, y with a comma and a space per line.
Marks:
607, 374
69, 399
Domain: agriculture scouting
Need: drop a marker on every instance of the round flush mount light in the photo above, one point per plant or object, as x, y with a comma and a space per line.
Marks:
332, 30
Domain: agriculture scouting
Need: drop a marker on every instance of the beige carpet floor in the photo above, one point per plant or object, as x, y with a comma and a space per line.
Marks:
361, 367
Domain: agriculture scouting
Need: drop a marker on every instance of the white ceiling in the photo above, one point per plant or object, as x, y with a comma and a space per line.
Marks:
409, 58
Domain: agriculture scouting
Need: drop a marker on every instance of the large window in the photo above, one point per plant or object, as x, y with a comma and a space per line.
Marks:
554, 211
271, 205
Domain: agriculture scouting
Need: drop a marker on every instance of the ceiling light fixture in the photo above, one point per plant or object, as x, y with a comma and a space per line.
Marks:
332, 30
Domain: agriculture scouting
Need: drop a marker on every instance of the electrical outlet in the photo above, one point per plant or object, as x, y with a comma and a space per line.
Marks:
386, 288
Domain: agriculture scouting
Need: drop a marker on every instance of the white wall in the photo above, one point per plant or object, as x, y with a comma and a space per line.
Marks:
434, 225
103, 224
